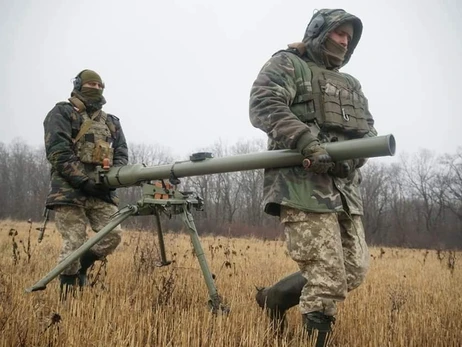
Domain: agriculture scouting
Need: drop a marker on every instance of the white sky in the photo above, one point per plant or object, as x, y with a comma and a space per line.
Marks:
178, 73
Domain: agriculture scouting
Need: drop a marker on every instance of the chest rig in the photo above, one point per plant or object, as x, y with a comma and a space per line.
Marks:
329, 98
94, 139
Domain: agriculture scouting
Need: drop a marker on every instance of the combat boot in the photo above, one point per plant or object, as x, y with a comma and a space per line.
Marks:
86, 261
320, 324
67, 285
281, 296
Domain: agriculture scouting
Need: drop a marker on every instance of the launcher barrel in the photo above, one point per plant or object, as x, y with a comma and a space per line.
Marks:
130, 175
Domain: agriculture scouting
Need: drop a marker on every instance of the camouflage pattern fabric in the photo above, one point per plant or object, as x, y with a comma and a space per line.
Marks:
331, 252
271, 108
68, 173
71, 222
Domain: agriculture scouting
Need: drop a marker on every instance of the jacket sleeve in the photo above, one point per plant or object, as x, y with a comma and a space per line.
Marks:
120, 145
59, 146
271, 95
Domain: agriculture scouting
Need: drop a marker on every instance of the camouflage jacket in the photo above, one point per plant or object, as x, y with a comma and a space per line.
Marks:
272, 110
61, 126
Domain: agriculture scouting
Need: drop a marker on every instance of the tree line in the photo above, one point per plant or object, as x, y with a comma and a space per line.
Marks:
413, 202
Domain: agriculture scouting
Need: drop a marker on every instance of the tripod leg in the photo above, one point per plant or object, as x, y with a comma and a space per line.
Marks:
215, 301
118, 218
160, 236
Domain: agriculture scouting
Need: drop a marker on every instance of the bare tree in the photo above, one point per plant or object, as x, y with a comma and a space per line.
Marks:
454, 183
250, 198
5, 180
421, 174
376, 190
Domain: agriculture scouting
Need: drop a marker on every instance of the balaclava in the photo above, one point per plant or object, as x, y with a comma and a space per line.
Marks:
91, 97
334, 53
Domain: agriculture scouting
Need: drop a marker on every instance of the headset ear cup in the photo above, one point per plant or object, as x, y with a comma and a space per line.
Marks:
78, 80
315, 26
77, 83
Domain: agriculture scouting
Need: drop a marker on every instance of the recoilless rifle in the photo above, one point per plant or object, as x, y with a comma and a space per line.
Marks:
159, 196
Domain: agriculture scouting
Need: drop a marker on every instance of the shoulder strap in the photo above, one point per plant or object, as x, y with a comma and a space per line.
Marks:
303, 77
88, 121
83, 129
78, 105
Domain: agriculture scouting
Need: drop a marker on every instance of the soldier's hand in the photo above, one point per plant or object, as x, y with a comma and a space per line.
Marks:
342, 168
320, 161
360, 162
90, 187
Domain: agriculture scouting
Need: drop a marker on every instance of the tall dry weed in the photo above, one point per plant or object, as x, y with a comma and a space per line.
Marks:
409, 298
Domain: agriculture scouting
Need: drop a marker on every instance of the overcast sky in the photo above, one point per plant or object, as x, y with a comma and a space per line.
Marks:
178, 73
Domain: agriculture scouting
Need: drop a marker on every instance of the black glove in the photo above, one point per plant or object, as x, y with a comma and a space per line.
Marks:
90, 188
342, 168
320, 160
360, 162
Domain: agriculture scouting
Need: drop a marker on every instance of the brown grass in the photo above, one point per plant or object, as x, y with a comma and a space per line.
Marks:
410, 297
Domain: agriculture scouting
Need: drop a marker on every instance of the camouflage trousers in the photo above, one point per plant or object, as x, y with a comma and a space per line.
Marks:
71, 222
331, 252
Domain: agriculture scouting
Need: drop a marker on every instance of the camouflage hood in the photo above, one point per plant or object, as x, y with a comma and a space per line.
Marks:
321, 24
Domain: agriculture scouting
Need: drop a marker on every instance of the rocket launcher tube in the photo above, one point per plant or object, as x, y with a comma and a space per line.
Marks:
130, 175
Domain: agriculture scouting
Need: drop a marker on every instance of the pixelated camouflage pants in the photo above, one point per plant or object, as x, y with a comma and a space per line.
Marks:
331, 252
71, 222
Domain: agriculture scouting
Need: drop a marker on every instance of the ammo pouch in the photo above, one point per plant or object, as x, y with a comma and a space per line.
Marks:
93, 143
343, 109
95, 153
333, 99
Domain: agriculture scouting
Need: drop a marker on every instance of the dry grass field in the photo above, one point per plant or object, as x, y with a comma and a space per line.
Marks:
410, 297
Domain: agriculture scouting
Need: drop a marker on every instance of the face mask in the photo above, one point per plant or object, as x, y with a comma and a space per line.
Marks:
92, 94
334, 52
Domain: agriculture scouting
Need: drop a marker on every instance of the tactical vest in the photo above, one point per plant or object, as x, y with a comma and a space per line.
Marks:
332, 99
95, 136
